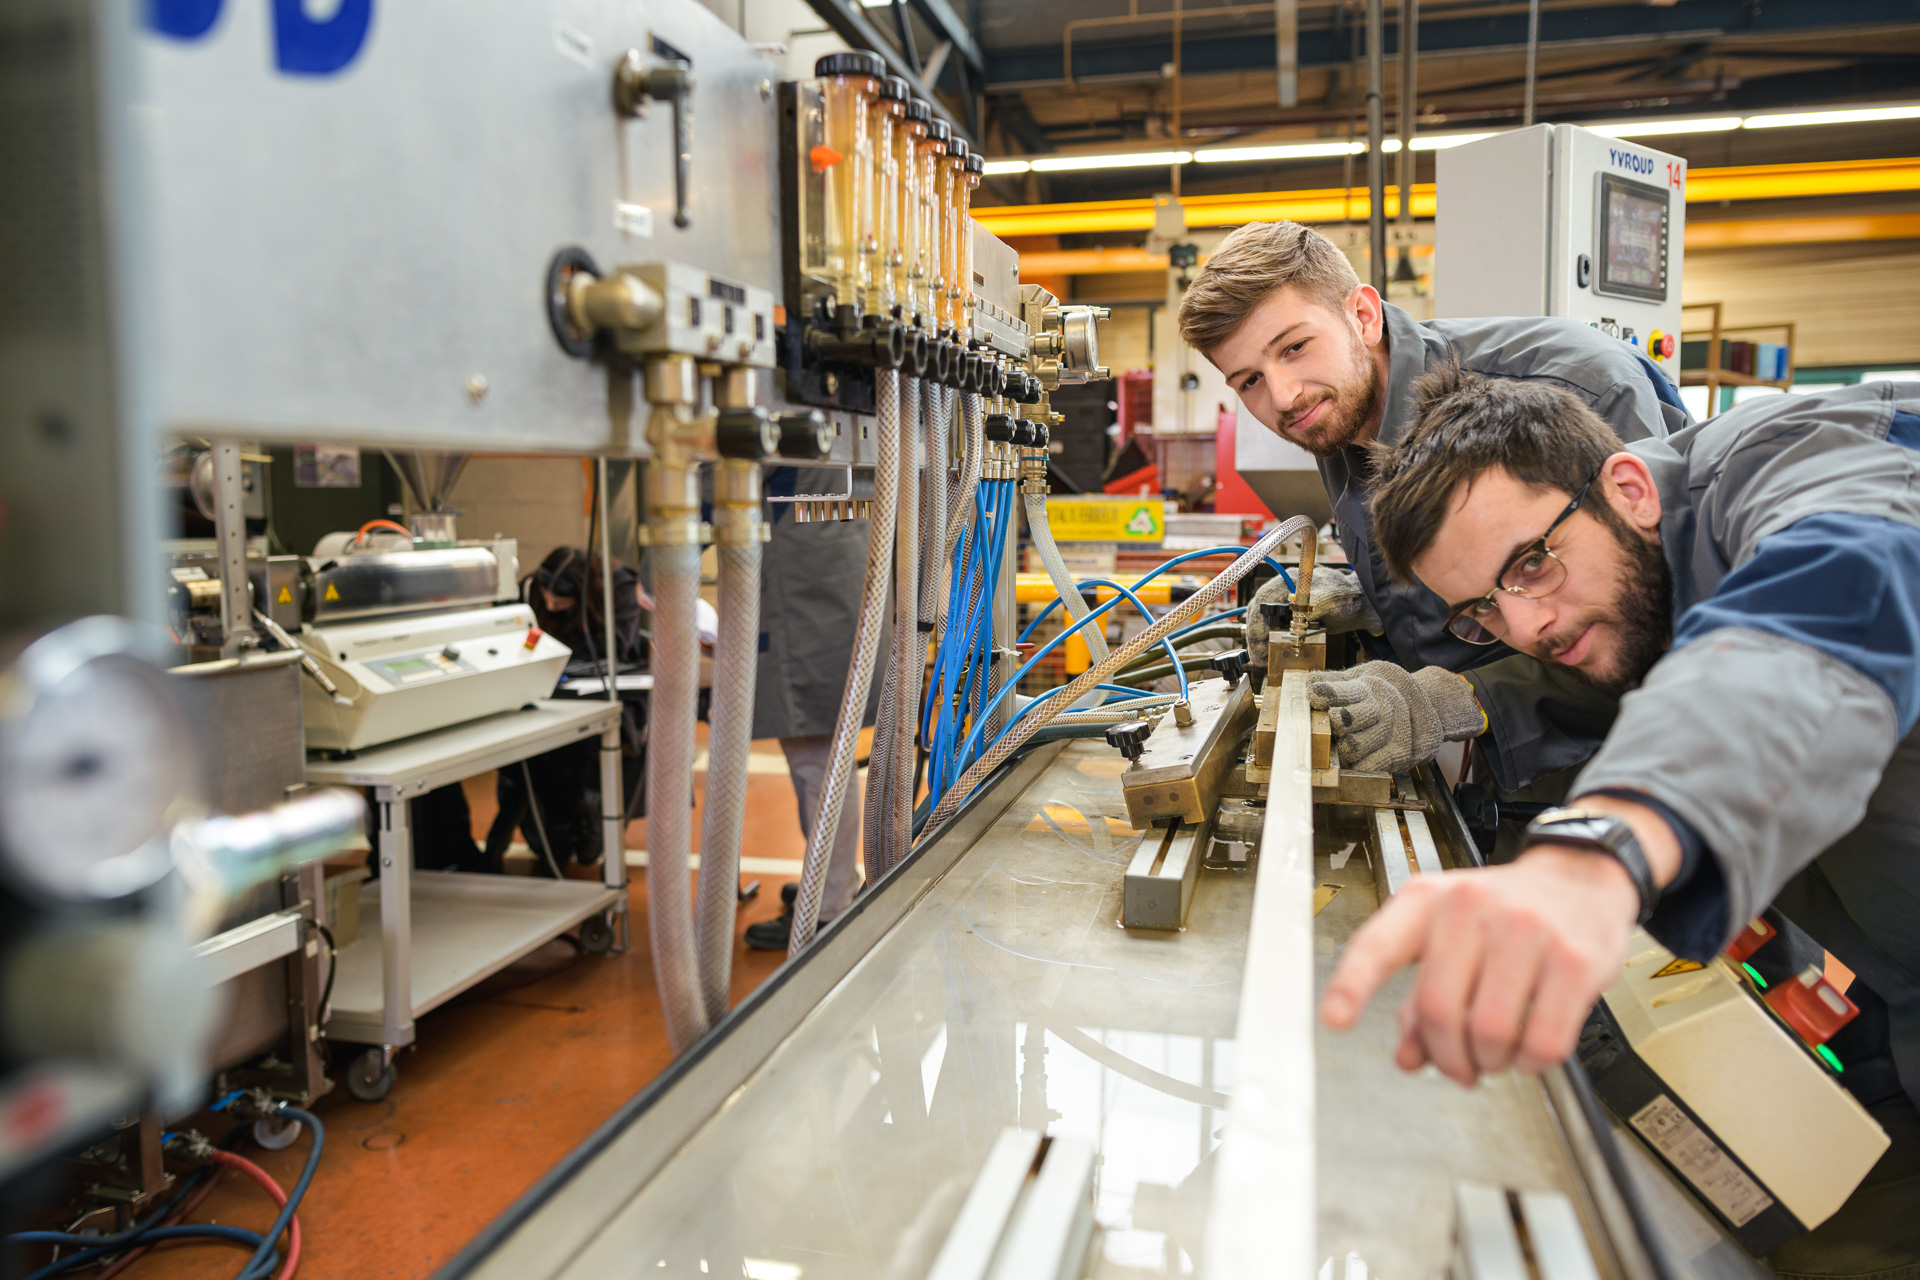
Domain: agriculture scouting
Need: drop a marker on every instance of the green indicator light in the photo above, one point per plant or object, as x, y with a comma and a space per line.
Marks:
1831, 1059
1754, 973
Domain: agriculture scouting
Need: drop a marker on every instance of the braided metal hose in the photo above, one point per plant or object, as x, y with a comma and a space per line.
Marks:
671, 710
1176, 618
936, 412
736, 659
909, 665
866, 643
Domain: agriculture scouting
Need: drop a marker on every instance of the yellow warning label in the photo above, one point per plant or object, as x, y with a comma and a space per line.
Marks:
1679, 967
333, 592
286, 596
1107, 519
1323, 894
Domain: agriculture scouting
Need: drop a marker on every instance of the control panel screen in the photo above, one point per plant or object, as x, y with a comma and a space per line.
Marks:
1633, 235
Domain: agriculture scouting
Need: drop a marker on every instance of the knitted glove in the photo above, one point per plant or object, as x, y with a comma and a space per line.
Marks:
1388, 719
1335, 604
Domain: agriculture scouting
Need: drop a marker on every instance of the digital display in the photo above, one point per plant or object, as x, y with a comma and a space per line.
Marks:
407, 666
1633, 228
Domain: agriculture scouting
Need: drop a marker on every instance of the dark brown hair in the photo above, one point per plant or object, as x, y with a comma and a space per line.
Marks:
1465, 424
1250, 265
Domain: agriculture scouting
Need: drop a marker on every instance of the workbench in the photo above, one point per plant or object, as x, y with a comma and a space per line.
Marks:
439, 933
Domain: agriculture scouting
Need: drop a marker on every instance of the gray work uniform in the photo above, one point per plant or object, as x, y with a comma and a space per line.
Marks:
1779, 735
1538, 719
810, 581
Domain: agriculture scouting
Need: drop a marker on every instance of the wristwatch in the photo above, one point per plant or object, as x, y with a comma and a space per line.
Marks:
1603, 833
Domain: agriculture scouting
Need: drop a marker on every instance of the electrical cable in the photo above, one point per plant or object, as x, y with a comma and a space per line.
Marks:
333, 966
279, 1197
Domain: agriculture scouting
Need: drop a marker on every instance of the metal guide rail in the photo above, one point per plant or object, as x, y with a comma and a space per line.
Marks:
870, 1111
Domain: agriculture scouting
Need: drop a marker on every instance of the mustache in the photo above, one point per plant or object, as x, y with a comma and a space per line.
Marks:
1292, 419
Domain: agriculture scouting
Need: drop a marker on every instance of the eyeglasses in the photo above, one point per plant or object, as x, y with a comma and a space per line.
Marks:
1532, 575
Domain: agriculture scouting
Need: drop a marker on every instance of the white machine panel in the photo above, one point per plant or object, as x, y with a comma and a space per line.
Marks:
1558, 220
400, 677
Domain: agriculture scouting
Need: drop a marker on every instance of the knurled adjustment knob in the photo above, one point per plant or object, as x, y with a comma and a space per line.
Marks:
1129, 737
1277, 614
1023, 433
1041, 436
749, 433
999, 427
1231, 664
806, 436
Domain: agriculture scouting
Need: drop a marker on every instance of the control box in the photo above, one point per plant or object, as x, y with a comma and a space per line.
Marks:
1557, 220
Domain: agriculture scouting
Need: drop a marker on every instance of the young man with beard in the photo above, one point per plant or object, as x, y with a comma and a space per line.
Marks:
1321, 361
1755, 583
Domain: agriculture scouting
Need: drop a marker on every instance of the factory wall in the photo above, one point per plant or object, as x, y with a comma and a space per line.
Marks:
1852, 304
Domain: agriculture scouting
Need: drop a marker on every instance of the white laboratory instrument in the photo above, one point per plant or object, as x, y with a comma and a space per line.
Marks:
1556, 220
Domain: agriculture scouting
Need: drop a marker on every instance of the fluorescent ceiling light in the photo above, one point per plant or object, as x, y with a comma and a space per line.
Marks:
1280, 151
1860, 116
1441, 141
1656, 128
1007, 166
1128, 160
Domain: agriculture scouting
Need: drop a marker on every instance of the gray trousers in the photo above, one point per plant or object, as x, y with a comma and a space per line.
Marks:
807, 764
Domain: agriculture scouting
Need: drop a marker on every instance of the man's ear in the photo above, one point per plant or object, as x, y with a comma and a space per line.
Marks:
1629, 487
1364, 309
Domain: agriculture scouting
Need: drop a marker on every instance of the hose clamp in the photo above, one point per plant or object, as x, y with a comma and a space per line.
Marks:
676, 533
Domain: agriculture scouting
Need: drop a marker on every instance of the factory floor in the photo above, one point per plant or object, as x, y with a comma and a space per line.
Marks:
501, 1084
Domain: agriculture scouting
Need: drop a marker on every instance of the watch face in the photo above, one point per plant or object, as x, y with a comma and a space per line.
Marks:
96, 753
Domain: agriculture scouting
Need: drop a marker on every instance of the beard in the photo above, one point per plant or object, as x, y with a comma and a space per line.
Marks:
1354, 406
1643, 615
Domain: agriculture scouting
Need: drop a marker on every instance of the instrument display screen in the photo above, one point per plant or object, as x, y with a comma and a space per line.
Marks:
1633, 239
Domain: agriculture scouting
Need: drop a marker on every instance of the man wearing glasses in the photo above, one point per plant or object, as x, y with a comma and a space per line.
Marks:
1752, 586
1321, 361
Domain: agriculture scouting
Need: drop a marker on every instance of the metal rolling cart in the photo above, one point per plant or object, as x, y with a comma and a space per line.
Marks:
442, 932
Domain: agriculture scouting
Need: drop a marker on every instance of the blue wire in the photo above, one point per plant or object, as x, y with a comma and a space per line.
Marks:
1166, 644
957, 666
196, 1231
1177, 560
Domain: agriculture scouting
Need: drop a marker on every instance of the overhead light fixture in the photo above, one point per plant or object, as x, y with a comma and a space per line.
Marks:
1441, 141
1007, 166
1658, 128
1126, 160
1863, 115
1280, 151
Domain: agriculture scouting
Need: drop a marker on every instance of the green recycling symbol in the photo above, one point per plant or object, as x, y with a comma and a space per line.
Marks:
1143, 523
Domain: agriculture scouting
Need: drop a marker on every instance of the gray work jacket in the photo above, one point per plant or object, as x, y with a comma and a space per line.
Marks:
1780, 726
1539, 719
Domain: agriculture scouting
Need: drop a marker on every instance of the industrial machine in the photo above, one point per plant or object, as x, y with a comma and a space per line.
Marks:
1068, 1029
1556, 220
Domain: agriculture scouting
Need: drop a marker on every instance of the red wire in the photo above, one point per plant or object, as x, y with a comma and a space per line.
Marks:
379, 524
279, 1195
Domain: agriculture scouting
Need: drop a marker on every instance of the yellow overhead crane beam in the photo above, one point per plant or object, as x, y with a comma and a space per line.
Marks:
1336, 204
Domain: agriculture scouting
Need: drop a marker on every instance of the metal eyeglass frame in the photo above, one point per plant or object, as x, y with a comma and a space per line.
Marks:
1539, 544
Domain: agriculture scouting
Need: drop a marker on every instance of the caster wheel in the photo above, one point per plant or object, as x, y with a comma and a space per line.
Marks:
276, 1133
596, 934
370, 1077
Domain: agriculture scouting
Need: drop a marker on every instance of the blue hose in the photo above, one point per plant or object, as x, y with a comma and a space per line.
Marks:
1176, 561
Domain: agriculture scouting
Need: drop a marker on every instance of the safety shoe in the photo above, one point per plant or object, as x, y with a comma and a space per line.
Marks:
771, 935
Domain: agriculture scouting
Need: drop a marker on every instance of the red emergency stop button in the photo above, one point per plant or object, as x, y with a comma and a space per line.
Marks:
533, 637
1812, 1006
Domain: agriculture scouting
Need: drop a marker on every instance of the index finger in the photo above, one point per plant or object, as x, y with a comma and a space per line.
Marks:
1386, 944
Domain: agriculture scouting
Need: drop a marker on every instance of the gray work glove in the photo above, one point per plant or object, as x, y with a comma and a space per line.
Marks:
1335, 604
1387, 719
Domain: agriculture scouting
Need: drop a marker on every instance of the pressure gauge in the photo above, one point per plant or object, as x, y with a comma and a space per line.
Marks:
97, 761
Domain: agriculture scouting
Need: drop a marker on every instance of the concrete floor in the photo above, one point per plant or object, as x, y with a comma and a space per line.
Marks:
501, 1083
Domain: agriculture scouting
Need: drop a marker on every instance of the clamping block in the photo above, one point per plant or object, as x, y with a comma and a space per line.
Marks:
1181, 768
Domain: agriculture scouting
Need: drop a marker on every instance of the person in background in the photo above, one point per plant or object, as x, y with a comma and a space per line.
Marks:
809, 606
1321, 361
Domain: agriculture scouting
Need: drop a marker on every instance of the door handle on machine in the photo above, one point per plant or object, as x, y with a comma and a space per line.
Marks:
634, 86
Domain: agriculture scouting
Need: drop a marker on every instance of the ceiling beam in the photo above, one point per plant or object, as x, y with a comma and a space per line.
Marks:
848, 19
1234, 51
948, 25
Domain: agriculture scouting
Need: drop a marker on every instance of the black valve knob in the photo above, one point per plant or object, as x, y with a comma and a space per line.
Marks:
749, 433
999, 427
1023, 433
807, 436
1231, 664
1041, 436
1129, 737
1278, 614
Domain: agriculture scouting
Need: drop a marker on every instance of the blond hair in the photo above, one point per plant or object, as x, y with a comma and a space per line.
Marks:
1249, 266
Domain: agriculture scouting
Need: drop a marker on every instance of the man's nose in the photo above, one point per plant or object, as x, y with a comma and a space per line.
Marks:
1528, 621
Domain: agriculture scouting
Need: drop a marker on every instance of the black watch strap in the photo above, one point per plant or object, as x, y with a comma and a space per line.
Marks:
1603, 833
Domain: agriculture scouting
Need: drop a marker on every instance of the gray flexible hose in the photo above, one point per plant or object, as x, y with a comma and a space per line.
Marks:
960, 513
1172, 621
671, 710
866, 643
936, 412
1075, 603
909, 642
736, 658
